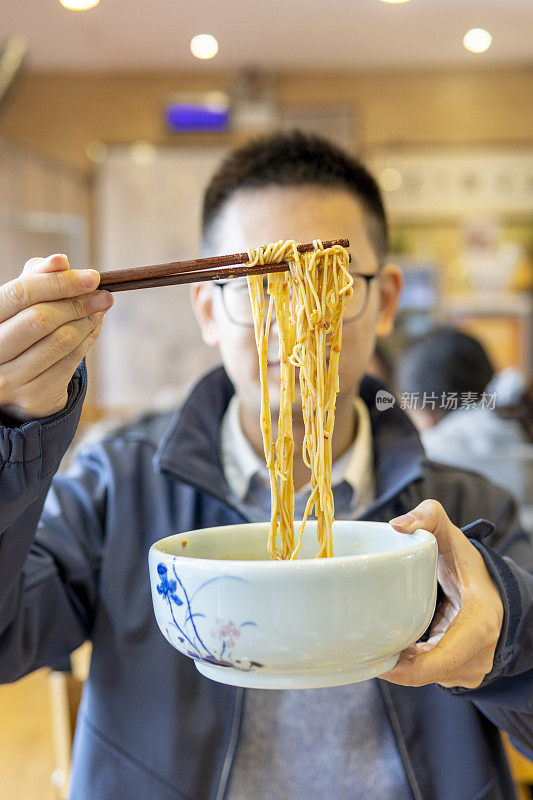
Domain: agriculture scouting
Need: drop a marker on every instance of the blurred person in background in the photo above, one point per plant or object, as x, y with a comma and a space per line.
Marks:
73, 546
469, 415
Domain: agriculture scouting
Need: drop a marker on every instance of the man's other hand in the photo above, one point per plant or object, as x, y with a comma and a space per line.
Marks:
466, 627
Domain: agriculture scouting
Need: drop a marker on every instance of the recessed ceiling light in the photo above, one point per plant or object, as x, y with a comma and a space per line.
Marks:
390, 179
79, 5
96, 151
203, 45
394, 1
143, 153
477, 40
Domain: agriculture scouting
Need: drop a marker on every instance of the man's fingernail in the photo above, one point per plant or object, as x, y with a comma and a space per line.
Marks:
89, 278
402, 522
102, 300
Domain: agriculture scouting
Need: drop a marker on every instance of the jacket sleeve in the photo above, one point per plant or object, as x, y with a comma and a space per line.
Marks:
50, 539
506, 694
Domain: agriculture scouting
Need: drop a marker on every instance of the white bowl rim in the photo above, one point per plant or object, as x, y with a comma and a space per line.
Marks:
420, 538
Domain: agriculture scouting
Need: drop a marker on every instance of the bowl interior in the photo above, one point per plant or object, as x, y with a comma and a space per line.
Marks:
248, 542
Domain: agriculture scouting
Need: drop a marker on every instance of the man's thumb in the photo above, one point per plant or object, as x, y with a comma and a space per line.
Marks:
429, 516
54, 263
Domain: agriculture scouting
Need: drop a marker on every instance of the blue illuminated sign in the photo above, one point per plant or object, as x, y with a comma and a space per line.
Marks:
194, 117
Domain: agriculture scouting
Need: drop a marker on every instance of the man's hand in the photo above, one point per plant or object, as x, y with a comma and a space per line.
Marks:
465, 630
49, 318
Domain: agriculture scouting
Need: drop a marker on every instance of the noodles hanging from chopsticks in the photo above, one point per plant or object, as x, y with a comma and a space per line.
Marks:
309, 303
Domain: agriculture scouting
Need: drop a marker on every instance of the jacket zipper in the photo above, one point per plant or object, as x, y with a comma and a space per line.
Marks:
400, 742
232, 744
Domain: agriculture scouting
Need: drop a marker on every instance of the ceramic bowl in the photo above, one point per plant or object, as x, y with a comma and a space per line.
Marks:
249, 621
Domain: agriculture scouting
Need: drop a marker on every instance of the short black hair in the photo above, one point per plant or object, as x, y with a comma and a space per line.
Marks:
295, 158
445, 360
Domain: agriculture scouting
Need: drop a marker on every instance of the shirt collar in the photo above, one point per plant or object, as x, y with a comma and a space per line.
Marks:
241, 463
190, 449
239, 460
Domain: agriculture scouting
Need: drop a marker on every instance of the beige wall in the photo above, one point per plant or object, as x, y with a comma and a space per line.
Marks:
59, 114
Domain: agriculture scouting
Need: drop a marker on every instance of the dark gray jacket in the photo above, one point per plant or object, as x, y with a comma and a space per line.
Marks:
73, 565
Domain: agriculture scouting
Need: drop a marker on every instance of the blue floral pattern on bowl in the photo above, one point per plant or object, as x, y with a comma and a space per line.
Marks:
184, 627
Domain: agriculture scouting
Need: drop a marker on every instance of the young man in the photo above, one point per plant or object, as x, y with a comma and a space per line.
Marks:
482, 420
73, 547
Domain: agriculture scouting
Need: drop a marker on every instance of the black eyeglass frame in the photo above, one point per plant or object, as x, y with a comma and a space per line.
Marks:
224, 282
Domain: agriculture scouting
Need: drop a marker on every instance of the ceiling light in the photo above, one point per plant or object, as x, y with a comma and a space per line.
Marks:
79, 5
143, 153
96, 152
204, 45
394, 1
477, 40
390, 179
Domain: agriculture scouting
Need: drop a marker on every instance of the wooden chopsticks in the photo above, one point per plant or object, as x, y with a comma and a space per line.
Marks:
199, 269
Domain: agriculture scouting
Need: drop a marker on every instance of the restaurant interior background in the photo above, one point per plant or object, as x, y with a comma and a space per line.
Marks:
100, 159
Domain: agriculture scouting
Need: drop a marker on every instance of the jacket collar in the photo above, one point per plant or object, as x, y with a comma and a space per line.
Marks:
190, 453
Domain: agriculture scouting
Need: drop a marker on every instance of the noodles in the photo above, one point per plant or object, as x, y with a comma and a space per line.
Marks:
309, 304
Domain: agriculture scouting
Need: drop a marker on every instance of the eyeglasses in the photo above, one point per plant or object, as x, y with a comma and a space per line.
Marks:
236, 300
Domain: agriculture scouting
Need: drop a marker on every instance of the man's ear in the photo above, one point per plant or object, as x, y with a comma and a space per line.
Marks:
202, 301
390, 285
